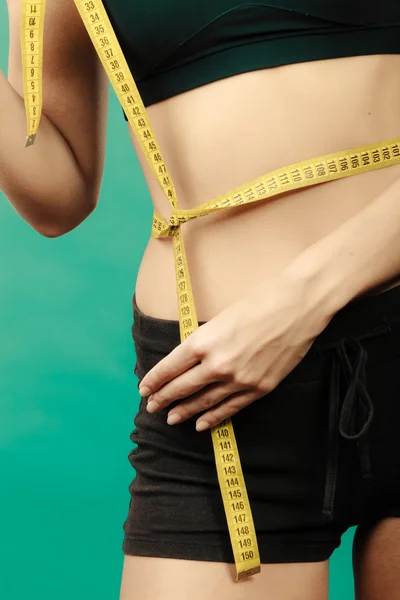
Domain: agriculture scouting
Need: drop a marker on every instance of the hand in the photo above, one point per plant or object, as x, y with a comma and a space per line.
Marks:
237, 356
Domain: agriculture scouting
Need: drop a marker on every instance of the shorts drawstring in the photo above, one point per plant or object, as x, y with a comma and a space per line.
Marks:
348, 369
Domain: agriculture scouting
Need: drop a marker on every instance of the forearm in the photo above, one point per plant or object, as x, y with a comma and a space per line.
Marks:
362, 254
43, 182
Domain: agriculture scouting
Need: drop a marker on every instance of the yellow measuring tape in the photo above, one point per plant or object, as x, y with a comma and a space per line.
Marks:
325, 168
32, 28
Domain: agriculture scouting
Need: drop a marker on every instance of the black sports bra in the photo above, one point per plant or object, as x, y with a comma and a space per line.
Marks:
176, 45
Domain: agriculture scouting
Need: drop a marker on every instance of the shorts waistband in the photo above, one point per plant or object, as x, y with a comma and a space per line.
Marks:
358, 319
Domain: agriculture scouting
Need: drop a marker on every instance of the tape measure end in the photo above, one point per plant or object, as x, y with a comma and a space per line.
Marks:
30, 140
248, 573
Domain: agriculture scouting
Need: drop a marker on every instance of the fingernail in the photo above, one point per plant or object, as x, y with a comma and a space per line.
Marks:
202, 426
174, 419
144, 391
152, 406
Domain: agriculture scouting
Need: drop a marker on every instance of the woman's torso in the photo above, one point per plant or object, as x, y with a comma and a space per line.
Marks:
219, 135
223, 134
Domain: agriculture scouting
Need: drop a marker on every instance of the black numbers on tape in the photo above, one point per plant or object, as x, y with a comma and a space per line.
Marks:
233, 482
238, 199
223, 433
308, 172
365, 159
237, 506
228, 457
240, 518
243, 530
376, 156
89, 6
284, 179
225, 445
235, 494
230, 470
249, 194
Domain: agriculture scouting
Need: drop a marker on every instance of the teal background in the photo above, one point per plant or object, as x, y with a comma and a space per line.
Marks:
67, 392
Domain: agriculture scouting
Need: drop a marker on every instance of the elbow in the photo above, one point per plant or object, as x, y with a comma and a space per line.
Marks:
61, 225
52, 231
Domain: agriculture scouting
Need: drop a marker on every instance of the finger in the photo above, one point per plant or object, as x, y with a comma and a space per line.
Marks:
195, 379
175, 363
214, 394
224, 410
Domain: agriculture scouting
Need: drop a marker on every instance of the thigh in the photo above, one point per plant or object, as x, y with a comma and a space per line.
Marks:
376, 559
147, 578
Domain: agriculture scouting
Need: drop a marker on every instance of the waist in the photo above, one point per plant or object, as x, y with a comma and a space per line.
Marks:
228, 253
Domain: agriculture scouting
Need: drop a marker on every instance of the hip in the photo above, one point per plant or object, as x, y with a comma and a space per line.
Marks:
338, 406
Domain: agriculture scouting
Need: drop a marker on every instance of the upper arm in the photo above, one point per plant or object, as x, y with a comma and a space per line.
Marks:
75, 89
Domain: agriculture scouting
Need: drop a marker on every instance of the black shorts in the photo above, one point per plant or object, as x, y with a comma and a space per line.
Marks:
319, 454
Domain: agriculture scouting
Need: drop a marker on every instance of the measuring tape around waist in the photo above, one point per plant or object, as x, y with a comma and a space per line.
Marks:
303, 174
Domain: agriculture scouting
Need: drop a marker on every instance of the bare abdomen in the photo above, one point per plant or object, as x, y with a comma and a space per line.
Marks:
219, 136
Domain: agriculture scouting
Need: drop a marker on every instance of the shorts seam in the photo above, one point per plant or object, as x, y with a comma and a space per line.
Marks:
164, 541
274, 552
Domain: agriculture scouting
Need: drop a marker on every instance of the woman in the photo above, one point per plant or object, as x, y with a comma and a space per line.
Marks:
298, 297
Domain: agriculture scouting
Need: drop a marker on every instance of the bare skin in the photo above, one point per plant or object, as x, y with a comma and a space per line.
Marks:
376, 556
280, 116
170, 579
213, 138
